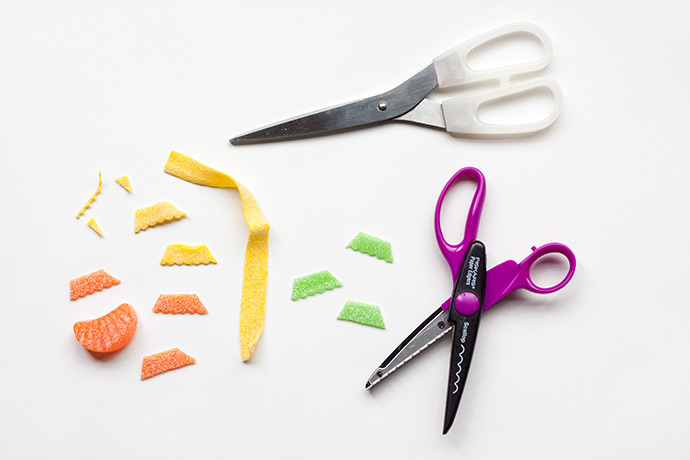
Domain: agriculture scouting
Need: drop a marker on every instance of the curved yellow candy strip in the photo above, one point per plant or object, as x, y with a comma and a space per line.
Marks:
253, 304
183, 254
159, 213
93, 197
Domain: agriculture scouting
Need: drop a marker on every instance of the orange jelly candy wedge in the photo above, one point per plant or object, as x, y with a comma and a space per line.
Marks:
88, 284
179, 303
108, 333
164, 361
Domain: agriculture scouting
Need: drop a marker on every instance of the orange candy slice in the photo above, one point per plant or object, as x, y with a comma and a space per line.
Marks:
88, 284
164, 361
179, 303
108, 333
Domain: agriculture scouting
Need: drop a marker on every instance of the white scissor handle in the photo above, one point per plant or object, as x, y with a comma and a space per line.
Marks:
452, 68
461, 114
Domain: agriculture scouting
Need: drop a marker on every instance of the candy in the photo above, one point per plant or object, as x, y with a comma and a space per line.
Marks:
93, 197
253, 304
157, 214
362, 313
164, 361
183, 254
124, 183
179, 303
109, 332
94, 226
88, 284
314, 284
373, 246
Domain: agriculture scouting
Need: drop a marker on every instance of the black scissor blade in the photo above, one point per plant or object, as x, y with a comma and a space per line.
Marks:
381, 107
464, 338
465, 312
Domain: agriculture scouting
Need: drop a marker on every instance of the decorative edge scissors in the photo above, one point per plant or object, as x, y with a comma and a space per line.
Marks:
408, 102
474, 290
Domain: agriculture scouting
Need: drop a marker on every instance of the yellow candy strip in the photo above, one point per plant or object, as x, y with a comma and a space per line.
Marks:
93, 197
159, 213
253, 305
94, 226
183, 254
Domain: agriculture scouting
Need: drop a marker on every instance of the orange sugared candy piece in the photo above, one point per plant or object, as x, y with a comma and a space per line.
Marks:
107, 333
164, 361
179, 303
88, 284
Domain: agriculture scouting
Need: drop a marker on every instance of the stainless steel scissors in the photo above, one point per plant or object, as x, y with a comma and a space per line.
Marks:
474, 290
408, 102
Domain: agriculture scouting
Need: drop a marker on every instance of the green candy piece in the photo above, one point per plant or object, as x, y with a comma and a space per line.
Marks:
314, 284
373, 246
362, 313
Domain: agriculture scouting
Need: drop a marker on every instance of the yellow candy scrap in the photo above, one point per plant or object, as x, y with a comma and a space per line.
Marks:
253, 304
183, 254
159, 213
124, 183
93, 197
94, 226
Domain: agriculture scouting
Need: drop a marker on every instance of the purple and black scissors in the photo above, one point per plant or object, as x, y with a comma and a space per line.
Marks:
474, 290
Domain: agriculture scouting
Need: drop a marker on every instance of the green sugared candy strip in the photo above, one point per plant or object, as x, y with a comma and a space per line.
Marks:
373, 246
314, 284
362, 313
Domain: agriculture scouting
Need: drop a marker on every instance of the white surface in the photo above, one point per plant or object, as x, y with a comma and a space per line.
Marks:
598, 370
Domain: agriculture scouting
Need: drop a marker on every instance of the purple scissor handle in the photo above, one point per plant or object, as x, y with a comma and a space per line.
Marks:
507, 276
455, 253
510, 276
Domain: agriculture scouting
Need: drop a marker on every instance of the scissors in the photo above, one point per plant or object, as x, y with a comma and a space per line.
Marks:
474, 290
408, 102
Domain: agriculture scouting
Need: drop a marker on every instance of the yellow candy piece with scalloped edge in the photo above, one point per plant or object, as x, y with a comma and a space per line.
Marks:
183, 254
253, 304
157, 214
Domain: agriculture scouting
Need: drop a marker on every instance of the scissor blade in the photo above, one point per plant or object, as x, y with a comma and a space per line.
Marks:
381, 107
464, 314
432, 329
464, 338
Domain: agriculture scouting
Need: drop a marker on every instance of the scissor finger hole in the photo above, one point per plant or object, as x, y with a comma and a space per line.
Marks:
527, 107
549, 270
454, 208
507, 50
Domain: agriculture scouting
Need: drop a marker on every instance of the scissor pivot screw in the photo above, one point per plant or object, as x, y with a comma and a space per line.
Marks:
382, 106
441, 325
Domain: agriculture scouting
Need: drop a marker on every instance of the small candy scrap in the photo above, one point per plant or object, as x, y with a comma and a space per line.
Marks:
373, 246
164, 361
183, 254
362, 313
179, 303
314, 284
124, 183
109, 332
94, 226
93, 197
88, 284
159, 213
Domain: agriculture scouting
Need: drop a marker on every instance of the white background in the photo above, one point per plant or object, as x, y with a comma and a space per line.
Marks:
597, 370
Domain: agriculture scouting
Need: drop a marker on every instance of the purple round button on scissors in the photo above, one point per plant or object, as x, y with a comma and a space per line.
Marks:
475, 289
